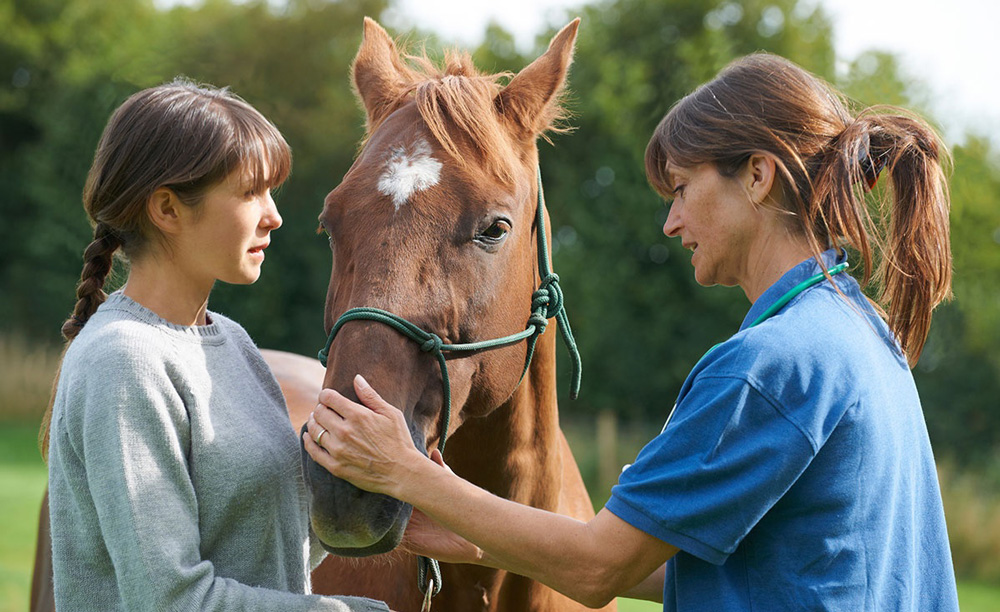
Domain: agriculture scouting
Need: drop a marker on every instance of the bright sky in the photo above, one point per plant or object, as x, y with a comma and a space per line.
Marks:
952, 45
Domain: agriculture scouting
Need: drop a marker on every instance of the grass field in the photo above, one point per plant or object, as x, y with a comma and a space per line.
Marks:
22, 481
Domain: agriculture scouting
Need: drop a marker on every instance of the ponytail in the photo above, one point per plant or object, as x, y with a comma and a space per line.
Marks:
907, 220
828, 161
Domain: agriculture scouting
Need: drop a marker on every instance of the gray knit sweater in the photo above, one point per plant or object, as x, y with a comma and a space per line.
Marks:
174, 473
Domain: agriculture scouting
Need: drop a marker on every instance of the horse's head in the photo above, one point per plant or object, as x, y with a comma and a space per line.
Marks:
434, 222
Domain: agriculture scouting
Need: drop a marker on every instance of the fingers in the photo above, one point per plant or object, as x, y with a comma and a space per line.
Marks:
438, 458
334, 405
332, 400
316, 432
369, 396
318, 454
333, 409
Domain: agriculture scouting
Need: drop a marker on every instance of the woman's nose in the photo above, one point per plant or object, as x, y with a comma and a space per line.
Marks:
673, 225
272, 220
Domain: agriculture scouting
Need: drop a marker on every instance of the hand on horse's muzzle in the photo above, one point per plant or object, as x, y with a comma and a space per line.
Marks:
367, 444
353, 503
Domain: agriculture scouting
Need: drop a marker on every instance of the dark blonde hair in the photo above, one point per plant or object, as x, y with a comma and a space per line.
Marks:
826, 159
182, 136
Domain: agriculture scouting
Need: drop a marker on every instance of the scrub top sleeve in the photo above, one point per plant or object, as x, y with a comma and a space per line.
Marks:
727, 456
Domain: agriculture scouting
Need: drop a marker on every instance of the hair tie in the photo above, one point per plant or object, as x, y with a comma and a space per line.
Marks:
871, 167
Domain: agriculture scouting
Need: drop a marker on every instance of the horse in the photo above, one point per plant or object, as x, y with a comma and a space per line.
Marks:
436, 226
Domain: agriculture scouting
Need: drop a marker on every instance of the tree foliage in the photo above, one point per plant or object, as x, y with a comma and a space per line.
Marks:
641, 319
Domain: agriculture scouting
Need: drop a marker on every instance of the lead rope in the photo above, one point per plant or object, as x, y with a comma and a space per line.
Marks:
428, 579
546, 303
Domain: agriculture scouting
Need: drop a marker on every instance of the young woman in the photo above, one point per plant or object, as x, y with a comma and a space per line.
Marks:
795, 472
174, 472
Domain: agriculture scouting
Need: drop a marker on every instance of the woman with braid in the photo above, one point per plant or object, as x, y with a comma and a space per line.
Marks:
796, 471
173, 468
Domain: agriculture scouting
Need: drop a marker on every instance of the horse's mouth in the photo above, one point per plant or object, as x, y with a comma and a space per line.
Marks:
351, 522
363, 542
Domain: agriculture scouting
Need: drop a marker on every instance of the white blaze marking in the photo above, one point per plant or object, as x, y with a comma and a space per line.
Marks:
409, 172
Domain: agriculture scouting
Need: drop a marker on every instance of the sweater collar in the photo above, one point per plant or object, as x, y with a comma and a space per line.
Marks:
120, 301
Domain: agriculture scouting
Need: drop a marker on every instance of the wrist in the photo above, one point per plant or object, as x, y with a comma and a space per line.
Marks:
413, 478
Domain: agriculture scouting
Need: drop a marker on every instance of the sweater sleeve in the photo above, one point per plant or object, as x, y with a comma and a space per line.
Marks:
133, 434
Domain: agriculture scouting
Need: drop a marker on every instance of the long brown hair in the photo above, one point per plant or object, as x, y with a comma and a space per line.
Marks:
183, 136
827, 158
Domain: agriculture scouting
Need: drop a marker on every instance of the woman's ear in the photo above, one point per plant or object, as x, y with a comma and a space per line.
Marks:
165, 211
760, 178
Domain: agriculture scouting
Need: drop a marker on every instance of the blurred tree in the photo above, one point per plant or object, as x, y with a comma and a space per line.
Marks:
71, 62
641, 320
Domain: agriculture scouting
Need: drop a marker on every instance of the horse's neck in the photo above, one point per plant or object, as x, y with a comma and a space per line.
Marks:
515, 451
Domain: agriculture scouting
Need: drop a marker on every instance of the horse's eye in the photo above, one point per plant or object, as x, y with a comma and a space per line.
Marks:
321, 230
496, 232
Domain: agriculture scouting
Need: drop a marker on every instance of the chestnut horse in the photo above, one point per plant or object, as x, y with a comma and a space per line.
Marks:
436, 223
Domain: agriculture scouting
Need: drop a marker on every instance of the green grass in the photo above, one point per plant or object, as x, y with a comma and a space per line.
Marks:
636, 605
22, 482
978, 597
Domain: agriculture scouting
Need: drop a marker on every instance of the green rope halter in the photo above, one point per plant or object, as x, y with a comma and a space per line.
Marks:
546, 303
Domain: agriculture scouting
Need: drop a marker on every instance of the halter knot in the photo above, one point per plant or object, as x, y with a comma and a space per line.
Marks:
539, 321
432, 344
549, 294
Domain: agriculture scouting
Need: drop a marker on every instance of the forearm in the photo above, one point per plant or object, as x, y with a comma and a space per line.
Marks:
370, 446
651, 587
559, 551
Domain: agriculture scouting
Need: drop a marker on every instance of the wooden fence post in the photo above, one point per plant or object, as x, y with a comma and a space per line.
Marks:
607, 450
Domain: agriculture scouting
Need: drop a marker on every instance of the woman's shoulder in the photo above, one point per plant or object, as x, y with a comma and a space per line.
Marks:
107, 338
122, 336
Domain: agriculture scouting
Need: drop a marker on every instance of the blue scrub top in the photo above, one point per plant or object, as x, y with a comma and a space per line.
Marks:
796, 472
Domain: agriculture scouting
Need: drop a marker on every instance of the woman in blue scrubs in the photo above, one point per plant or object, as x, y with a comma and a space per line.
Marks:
795, 470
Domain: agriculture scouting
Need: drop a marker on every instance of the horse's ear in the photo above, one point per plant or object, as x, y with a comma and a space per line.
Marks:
378, 73
530, 102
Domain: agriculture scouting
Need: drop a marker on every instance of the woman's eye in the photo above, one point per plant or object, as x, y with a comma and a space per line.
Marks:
679, 190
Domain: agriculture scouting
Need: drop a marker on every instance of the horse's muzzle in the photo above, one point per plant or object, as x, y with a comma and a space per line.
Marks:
351, 522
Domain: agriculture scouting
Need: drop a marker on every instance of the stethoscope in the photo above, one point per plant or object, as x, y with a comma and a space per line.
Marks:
772, 310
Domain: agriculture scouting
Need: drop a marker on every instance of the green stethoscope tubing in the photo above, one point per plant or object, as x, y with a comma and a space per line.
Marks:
789, 295
795, 291
774, 308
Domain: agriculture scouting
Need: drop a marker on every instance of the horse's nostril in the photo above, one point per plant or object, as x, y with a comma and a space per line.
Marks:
371, 525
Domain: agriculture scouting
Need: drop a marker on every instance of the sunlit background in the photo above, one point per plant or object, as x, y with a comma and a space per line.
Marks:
640, 319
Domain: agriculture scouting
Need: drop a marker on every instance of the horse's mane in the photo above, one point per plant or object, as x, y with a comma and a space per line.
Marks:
457, 102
